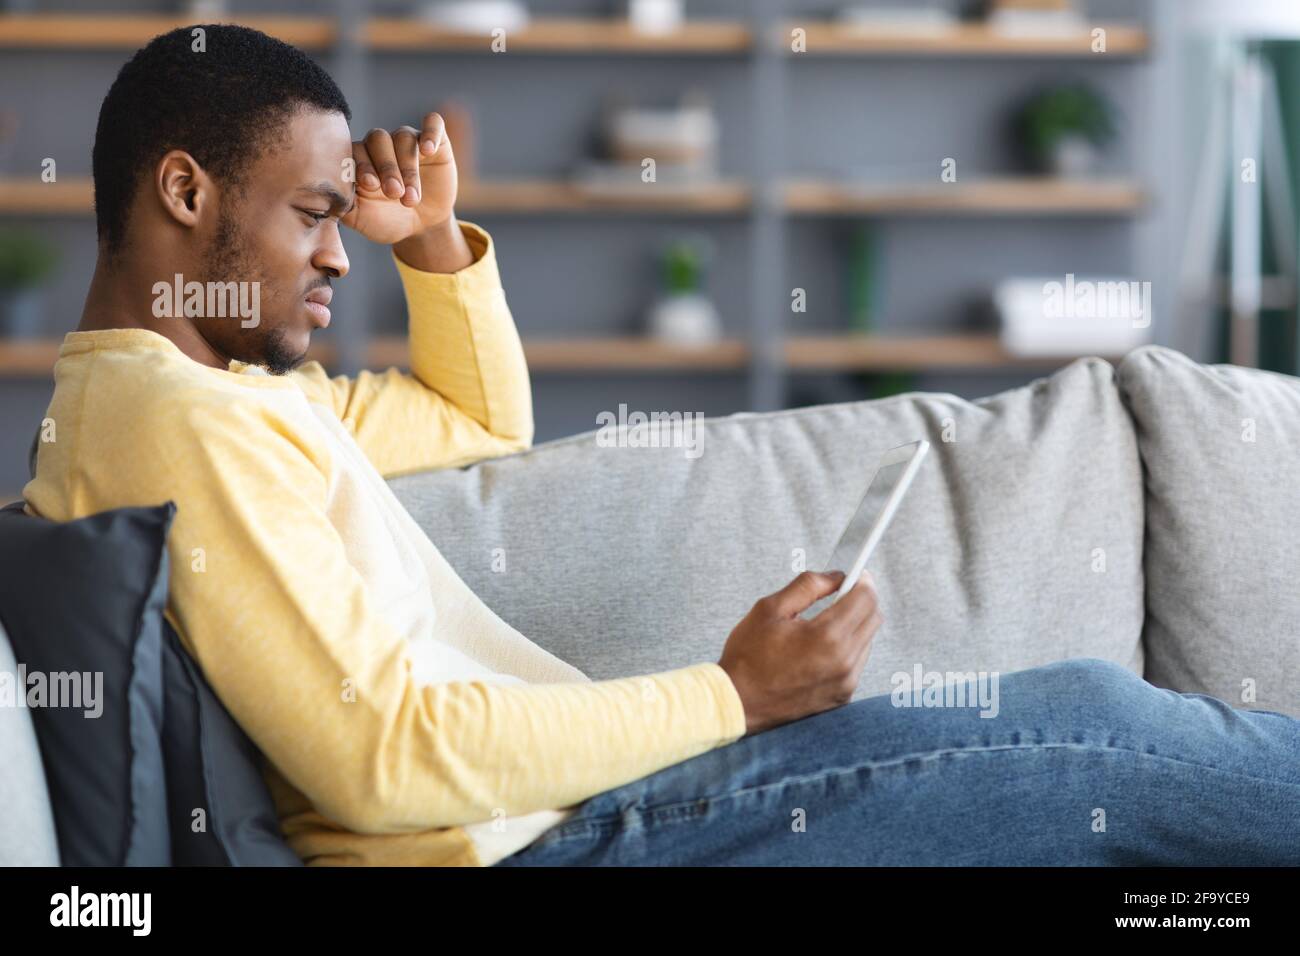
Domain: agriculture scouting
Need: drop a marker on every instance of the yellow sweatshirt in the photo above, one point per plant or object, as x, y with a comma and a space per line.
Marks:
402, 721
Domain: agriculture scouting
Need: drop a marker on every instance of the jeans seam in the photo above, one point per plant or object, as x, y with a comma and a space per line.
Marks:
585, 826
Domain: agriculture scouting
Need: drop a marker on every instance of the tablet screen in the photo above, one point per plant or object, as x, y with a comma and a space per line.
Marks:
860, 526
864, 519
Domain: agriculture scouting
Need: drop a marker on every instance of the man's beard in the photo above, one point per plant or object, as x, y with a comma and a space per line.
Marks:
228, 261
277, 356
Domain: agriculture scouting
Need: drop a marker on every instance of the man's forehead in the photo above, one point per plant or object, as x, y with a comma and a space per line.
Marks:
316, 158
317, 131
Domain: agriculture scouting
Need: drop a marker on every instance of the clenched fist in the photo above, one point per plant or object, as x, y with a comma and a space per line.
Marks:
406, 181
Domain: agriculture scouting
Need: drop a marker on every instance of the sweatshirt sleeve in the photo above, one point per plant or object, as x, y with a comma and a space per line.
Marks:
284, 629
468, 396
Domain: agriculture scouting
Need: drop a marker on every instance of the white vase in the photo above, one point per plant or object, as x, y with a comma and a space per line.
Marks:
685, 318
655, 16
1073, 156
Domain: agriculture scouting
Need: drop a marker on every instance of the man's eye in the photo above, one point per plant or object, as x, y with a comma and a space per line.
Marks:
318, 216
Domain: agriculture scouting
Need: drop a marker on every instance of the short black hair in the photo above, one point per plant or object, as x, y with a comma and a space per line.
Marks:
220, 105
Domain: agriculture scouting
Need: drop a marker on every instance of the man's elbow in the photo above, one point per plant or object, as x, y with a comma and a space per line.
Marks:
521, 441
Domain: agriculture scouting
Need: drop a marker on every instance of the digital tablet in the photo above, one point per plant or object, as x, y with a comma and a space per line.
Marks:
888, 485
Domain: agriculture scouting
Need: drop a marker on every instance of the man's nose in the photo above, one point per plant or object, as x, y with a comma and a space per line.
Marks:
330, 257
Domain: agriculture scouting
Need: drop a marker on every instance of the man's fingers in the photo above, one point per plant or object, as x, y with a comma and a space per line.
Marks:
406, 146
367, 178
807, 588
864, 649
431, 135
379, 144
390, 163
851, 612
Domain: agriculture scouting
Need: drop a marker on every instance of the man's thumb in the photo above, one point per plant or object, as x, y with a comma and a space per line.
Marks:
806, 589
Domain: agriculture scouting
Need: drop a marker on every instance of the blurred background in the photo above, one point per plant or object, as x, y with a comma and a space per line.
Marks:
719, 206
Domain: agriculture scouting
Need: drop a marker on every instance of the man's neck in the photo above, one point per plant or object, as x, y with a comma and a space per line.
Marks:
112, 303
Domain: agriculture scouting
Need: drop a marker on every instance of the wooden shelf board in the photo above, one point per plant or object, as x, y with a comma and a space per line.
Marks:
1012, 196
1009, 196
964, 39
71, 196
28, 357
543, 196
75, 196
884, 352
598, 353
562, 35
577, 35
127, 31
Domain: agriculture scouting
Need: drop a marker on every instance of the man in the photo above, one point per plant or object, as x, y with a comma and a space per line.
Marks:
402, 721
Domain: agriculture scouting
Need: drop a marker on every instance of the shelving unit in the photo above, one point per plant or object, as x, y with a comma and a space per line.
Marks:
768, 201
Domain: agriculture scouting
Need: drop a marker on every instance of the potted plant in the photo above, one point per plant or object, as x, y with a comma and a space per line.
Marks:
25, 260
685, 315
1063, 129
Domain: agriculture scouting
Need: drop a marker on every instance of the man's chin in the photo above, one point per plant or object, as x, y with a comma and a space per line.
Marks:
283, 366
285, 353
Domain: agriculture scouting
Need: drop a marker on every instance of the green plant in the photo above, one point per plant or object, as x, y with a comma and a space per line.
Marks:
684, 262
1069, 110
25, 259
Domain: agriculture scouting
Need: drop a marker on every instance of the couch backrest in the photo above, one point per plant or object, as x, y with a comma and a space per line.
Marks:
1020, 542
1220, 448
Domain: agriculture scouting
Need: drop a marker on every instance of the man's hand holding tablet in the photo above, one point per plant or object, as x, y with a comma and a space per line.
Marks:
788, 662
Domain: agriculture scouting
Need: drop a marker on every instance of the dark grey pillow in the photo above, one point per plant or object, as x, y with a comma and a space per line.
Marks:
221, 811
86, 597
188, 778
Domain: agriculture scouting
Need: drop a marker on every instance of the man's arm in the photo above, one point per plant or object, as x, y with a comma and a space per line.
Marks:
286, 632
468, 396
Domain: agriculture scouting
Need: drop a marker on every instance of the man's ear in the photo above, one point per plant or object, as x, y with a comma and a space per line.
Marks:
183, 188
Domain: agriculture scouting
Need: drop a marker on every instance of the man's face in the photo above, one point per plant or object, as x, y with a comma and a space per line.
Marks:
272, 234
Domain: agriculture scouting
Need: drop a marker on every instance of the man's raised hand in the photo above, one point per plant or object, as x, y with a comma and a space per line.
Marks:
406, 181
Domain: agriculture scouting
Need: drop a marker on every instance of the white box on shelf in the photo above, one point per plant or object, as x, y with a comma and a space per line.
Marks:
1057, 316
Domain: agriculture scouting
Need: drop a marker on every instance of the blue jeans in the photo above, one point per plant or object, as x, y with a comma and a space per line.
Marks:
1084, 764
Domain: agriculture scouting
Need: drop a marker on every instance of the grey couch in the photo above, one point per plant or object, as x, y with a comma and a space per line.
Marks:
1143, 513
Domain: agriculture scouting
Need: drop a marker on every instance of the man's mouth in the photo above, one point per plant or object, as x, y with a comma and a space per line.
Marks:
318, 301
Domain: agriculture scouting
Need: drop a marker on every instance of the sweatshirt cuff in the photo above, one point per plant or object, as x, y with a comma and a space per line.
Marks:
731, 711
481, 275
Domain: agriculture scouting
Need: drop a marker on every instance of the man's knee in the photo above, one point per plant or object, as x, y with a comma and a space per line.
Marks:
1095, 684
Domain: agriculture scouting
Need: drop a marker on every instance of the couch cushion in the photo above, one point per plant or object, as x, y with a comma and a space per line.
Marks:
26, 823
1020, 542
220, 809
82, 602
1220, 446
